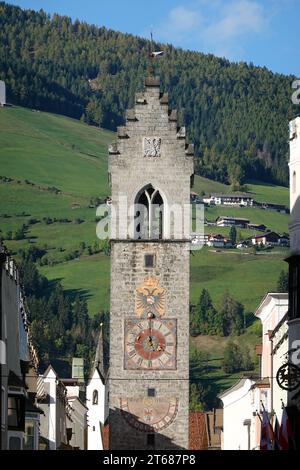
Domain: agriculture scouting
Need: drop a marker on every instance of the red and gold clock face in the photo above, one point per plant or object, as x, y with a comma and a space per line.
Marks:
149, 414
150, 343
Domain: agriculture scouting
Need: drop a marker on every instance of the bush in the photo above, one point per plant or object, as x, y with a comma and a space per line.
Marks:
9, 235
20, 234
232, 361
236, 359
33, 221
47, 220
82, 247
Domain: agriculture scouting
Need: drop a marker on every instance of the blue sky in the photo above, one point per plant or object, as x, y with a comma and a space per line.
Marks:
260, 31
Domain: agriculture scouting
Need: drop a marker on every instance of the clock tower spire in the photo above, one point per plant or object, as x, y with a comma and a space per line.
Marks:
150, 169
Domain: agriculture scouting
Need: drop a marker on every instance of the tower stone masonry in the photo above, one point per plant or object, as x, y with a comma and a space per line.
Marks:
150, 165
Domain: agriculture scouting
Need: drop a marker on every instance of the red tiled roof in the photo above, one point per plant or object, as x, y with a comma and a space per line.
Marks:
197, 431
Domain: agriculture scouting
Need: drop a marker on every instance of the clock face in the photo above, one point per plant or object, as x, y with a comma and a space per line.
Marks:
149, 414
150, 343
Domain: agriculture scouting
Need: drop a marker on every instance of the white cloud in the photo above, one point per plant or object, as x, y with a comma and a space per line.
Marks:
216, 26
240, 18
183, 19
179, 25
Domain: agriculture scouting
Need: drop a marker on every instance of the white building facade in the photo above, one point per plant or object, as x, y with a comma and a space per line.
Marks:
97, 399
243, 403
53, 402
294, 228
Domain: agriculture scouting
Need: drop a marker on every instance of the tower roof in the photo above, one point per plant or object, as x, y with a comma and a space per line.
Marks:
99, 356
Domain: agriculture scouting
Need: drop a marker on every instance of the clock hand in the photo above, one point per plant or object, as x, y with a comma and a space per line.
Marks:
150, 330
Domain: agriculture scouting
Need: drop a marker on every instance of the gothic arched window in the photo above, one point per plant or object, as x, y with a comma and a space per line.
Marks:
95, 397
149, 206
294, 183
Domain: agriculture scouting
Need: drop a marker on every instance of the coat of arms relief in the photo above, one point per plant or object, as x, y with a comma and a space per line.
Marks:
149, 298
152, 146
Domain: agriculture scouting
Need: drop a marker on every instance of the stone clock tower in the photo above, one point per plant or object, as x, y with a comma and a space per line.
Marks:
150, 170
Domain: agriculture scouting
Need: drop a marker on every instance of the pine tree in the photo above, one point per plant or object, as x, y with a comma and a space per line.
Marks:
232, 313
283, 282
195, 398
206, 313
233, 235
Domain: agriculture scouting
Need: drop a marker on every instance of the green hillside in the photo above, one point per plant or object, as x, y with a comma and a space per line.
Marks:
246, 276
51, 150
261, 192
41, 151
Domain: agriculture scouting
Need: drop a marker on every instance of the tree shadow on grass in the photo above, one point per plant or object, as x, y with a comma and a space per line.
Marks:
84, 294
203, 375
71, 293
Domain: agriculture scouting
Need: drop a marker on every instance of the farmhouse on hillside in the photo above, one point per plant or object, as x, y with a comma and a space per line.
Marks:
238, 199
224, 221
271, 239
272, 207
258, 227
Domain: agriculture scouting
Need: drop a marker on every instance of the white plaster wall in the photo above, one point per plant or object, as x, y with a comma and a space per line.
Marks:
96, 413
237, 408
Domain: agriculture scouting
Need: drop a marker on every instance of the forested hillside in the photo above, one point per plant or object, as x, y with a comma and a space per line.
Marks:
236, 114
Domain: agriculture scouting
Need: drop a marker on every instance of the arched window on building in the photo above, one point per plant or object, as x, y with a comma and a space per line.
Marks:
95, 397
294, 183
149, 216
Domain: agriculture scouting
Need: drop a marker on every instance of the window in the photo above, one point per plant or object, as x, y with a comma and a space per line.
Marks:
77, 368
15, 412
29, 436
95, 397
3, 407
151, 440
151, 392
294, 291
294, 183
14, 443
149, 261
148, 216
